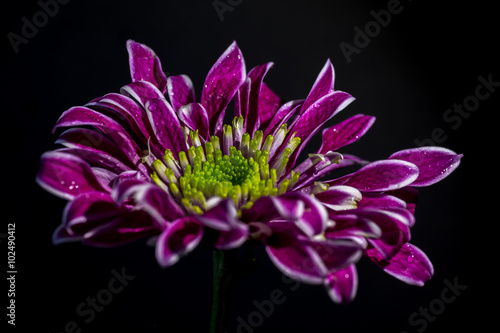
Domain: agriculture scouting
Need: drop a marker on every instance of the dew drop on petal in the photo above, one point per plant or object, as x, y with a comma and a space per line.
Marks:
411, 258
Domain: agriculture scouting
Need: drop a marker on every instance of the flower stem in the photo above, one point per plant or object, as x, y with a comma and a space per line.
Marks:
223, 264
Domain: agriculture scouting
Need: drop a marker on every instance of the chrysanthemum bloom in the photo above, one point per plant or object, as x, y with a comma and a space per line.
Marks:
153, 162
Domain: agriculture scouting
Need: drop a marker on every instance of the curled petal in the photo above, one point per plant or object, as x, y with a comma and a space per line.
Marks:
178, 239
340, 197
296, 259
124, 229
434, 163
342, 285
67, 176
89, 210
145, 65
195, 117
180, 91
410, 265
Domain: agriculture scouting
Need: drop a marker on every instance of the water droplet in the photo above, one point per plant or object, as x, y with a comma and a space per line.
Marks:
411, 258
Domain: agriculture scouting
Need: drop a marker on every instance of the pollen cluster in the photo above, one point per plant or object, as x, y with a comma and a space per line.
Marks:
237, 169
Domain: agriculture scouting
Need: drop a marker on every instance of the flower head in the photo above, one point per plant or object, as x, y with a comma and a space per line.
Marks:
152, 161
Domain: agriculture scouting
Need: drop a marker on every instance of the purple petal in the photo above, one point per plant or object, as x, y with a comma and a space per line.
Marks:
251, 114
124, 229
313, 221
220, 217
127, 108
87, 139
385, 175
342, 285
180, 91
223, 217
395, 225
434, 163
162, 118
284, 113
295, 259
61, 235
145, 65
149, 198
313, 118
67, 176
345, 132
223, 80
340, 197
195, 117
381, 201
269, 104
336, 254
166, 126
323, 85
82, 116
97, 158
410, 265
181, 237
89, 210
349, 225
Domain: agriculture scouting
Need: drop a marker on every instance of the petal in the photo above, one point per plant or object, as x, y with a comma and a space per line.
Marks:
97, 158
346, 132
434, 163
61, 235
336, 254
166, 126
82, 116
395, 225
145, 65
381, 201
126, 108
67, 176
342, 285
180, 91
163, 120
410, 265
195, 117
84, 138
181, 237
349, 225
269, 104
223, 218
385, 175
124, 229
340, 197
89, 210
251, 114
284, 113
313, 118
295, 259
323, 85
149, 198
223, 80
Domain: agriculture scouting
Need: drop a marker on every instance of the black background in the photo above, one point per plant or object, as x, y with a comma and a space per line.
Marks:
426, 59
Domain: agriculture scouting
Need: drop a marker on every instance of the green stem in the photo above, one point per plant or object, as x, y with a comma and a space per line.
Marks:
223, 262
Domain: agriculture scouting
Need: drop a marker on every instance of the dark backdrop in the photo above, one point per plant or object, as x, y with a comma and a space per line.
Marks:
426, 59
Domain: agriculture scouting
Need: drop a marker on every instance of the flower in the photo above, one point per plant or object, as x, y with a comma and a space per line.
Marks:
152, 162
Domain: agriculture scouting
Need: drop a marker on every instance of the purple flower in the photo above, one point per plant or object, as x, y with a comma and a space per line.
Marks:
151, 161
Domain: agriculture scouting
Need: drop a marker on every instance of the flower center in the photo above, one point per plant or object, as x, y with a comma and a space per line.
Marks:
238, 169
